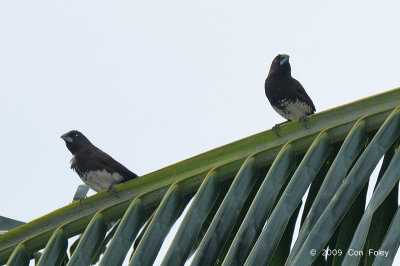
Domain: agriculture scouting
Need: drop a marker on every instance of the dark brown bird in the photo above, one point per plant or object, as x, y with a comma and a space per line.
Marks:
286, 95
96, 168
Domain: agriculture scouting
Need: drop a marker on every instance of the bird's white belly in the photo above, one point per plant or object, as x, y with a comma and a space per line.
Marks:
101, 179
292, 110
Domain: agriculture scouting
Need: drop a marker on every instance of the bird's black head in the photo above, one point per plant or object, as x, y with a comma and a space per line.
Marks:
280, 66
75, 141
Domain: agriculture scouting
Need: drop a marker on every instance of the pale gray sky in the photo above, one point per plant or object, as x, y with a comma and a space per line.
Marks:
155, 82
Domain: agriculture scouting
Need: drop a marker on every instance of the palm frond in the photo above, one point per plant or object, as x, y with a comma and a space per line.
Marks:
246, 200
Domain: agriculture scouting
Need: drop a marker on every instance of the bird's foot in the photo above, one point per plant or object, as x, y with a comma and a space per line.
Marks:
276, 127
111, 189
303, 120
80, 200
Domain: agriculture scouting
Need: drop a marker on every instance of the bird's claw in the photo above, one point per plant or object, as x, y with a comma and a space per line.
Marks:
303, 120
80, 200
111, 189
275, 129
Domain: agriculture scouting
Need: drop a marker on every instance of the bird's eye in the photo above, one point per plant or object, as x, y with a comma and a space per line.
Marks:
76, 134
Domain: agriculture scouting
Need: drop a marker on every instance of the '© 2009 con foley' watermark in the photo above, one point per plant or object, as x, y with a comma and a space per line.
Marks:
351, 252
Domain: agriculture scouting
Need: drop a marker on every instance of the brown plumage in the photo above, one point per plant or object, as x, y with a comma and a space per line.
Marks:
96, 168
285, 94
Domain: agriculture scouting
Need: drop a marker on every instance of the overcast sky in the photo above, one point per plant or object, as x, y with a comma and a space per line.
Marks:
155, 82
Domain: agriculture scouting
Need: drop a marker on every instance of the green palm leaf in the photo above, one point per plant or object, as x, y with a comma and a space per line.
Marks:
246, 200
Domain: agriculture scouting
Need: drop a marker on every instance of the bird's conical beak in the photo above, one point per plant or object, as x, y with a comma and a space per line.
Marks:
284, 60
66, 138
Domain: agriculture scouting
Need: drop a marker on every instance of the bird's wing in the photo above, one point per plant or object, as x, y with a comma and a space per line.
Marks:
101, 160
302, 95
